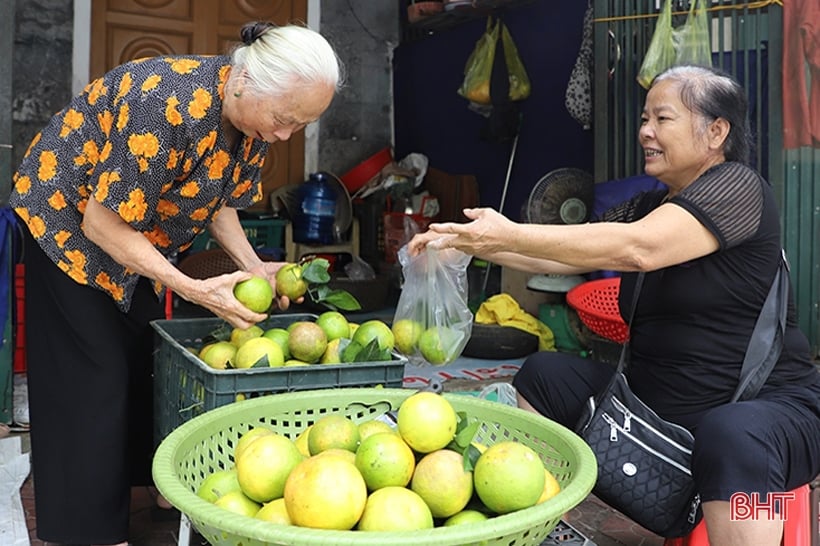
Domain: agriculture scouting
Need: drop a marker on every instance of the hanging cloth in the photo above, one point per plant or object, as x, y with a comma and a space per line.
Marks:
801, 55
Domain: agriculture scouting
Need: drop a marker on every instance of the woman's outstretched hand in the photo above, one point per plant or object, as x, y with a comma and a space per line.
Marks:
482, 236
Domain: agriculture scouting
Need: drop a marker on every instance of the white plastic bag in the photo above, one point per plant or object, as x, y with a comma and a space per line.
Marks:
14, 468
433, 323
20, 400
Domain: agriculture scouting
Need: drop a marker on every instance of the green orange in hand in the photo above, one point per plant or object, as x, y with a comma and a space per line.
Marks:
289, 282
255, 293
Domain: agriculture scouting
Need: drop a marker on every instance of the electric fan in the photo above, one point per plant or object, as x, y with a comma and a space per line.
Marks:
563, 196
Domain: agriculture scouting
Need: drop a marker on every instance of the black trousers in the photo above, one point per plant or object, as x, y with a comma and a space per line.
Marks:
769, 444
89, 369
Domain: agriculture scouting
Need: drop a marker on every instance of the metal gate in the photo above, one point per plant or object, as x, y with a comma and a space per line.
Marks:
747, 41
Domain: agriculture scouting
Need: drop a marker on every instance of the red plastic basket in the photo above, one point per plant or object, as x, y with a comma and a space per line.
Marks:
361, 174
596, 303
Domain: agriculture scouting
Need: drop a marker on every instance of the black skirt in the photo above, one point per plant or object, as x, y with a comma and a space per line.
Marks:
89, 369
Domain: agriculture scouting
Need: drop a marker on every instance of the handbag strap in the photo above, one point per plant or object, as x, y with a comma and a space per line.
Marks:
632, 307
765, 343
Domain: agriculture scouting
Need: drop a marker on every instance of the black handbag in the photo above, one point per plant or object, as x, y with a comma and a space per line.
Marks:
643, 460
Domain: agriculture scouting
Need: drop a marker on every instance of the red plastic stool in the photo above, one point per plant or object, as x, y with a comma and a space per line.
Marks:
797, 528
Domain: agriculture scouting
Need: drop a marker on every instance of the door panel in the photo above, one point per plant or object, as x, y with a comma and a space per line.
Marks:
130, 43
123, 30
166, 9
237, 12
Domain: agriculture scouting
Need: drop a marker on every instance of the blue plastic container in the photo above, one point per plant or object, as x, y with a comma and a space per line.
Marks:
314, 219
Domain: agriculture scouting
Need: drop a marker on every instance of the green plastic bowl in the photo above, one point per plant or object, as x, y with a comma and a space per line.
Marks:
205, 444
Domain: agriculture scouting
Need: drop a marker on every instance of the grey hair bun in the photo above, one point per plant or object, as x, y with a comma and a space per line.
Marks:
253, 31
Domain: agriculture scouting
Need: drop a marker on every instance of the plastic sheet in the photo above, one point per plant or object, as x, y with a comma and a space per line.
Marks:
14, 468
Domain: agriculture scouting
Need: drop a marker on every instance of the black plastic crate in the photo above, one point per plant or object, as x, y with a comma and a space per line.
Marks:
184, 386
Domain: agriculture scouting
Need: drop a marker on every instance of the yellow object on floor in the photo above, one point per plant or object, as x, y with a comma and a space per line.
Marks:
502, 309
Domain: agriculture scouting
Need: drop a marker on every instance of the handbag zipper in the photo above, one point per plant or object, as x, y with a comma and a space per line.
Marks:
693, 509
628, 416
614, 428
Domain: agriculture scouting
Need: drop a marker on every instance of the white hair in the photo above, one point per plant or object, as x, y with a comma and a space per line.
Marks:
280, 58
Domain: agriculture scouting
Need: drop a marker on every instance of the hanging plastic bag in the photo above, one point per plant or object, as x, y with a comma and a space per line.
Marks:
479, 67
692, 39
661, 52
519, 80
670, 46
432, 323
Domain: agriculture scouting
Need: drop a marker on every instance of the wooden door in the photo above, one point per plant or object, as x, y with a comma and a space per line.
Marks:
122, 30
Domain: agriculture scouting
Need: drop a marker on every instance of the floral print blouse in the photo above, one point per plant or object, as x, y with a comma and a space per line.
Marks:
145, 141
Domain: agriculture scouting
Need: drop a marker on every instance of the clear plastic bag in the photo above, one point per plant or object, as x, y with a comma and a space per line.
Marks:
432, 323
692, 39
688, 44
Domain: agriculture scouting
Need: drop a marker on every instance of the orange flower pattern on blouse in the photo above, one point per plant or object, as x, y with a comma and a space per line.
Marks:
125, 87
95, 90
146, 142
72, 121
199, 106
57, 201
150, 83
48, 166
106, 120
171, 113
22, 184
61, 237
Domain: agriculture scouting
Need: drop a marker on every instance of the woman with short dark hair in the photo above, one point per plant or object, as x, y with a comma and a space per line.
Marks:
709, 245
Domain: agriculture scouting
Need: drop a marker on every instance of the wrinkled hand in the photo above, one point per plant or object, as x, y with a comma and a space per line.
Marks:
269, 270
480, 237
216, 295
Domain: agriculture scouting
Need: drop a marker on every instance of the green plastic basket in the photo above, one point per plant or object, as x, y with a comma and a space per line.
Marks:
267, 233
205, 444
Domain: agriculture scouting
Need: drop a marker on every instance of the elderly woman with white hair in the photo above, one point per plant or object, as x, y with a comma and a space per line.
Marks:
137, 165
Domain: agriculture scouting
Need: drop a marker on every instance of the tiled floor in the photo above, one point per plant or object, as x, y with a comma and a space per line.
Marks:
596, 521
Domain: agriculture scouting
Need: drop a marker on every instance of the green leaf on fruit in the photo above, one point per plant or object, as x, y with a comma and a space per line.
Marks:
262, 362
222, 333
350, 351
316, 271
465, 436
463, 441
372, 352
340, 299
471, 455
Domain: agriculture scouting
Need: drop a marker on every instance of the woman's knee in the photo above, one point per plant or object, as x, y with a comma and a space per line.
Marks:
557, 385
733, 452
729, 433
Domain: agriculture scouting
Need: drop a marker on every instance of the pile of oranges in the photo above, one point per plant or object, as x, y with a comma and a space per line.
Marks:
401, 474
